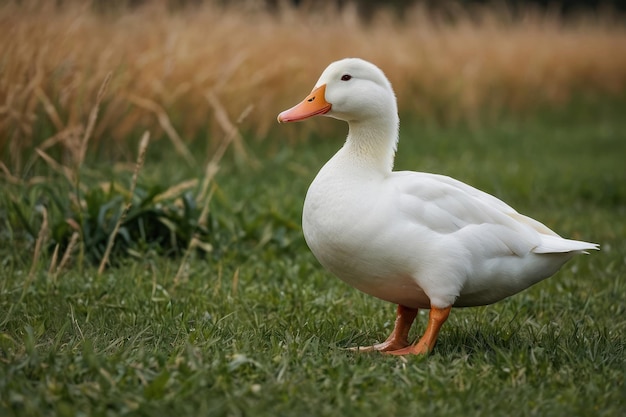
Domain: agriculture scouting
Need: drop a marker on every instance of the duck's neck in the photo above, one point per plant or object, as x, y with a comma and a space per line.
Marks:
371, 144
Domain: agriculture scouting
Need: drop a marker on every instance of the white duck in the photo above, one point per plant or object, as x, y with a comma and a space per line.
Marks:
414, 239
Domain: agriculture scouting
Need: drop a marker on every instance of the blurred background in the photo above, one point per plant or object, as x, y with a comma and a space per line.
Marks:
187, 70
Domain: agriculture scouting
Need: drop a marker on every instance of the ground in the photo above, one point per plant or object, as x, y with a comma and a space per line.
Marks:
256, 327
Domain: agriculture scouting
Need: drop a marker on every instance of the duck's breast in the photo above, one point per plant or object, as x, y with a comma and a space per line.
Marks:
355, 230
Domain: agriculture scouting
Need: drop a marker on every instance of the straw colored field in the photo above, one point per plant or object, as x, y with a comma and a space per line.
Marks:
171, 71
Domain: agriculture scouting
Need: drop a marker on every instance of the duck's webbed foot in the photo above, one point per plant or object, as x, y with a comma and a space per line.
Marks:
398, 339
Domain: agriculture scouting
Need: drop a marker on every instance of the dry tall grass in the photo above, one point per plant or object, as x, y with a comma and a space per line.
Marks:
165, 65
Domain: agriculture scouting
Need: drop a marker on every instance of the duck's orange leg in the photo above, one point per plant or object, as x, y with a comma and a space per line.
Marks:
436, 318
399, 337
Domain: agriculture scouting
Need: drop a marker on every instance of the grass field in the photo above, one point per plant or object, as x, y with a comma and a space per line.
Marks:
207, 301
256, 327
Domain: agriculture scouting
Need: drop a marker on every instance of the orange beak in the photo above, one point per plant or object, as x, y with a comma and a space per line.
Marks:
314, 104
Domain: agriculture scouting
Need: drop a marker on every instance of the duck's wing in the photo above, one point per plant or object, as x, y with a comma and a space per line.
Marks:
446, 205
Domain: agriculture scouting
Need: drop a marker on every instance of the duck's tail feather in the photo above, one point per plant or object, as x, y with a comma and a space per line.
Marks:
555, 244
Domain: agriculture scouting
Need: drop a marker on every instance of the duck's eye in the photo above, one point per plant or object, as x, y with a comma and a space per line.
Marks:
346, 77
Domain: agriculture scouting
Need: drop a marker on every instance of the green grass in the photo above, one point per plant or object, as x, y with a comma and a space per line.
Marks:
256, 327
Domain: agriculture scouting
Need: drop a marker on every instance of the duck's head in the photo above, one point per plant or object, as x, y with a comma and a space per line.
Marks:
350, 89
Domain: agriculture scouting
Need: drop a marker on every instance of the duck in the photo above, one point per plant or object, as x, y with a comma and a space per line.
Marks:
418, 240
